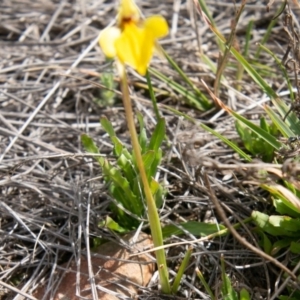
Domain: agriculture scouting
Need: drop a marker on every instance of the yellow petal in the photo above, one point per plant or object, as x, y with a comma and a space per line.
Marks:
157, 25
135, 47
107, 41
128, 10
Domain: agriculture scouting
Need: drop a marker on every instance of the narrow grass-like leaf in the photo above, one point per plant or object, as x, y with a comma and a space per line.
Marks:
240, 69
157, 159
204, 101
181, 271
205, 284
143, 139
282, 68
248, 38
270, 139
152, 95
188, 96
232, 145
107, 126
195, 228
158, 135
148, 159
203, 6
285, 130
266, 35
228, 292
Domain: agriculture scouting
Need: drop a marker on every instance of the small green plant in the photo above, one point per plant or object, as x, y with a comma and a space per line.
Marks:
107, 94
283, 226
123, 178
257, 146
227, 289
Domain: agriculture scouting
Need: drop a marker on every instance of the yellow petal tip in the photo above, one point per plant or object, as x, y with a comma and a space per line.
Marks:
107, 40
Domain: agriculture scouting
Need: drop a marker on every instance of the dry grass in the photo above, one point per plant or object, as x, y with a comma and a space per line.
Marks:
50, 66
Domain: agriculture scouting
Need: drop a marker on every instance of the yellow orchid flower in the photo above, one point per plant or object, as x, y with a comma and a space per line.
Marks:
133, 40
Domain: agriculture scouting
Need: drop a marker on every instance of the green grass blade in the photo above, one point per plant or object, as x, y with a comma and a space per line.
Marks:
158, 135
152, 95
282, 127
228, 292
205, 102
193, 227
204, 8
282, 68
228, 142
181, 270
205, 284
270, 139
270, 27
188, 96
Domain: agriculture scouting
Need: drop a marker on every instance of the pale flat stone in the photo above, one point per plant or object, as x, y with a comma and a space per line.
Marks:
109, 273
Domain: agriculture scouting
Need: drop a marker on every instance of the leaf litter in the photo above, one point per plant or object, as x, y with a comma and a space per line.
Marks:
52, 195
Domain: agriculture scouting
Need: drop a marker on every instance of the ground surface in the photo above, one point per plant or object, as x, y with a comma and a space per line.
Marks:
50, 65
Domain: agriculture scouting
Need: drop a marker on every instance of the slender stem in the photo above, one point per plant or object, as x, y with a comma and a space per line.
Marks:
153, 216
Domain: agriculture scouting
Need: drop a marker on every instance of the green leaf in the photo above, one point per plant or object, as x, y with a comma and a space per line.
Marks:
148, 159
203, 101
266, 243
107, 126
143, 139
228, 142
129, 200
244, 294
195, 228
89, 144
156, 161
286, 222
276, 225
283, 209
91, 147
118, 146
158, 135
262, 221
112, 225
253, 143
287, 197
188, 96
279, 245
268, 138
295, 247
126, 166
158, 192
227, 290
285, 129
181, 270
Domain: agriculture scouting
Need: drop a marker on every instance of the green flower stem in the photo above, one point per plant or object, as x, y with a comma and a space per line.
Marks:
153, 216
